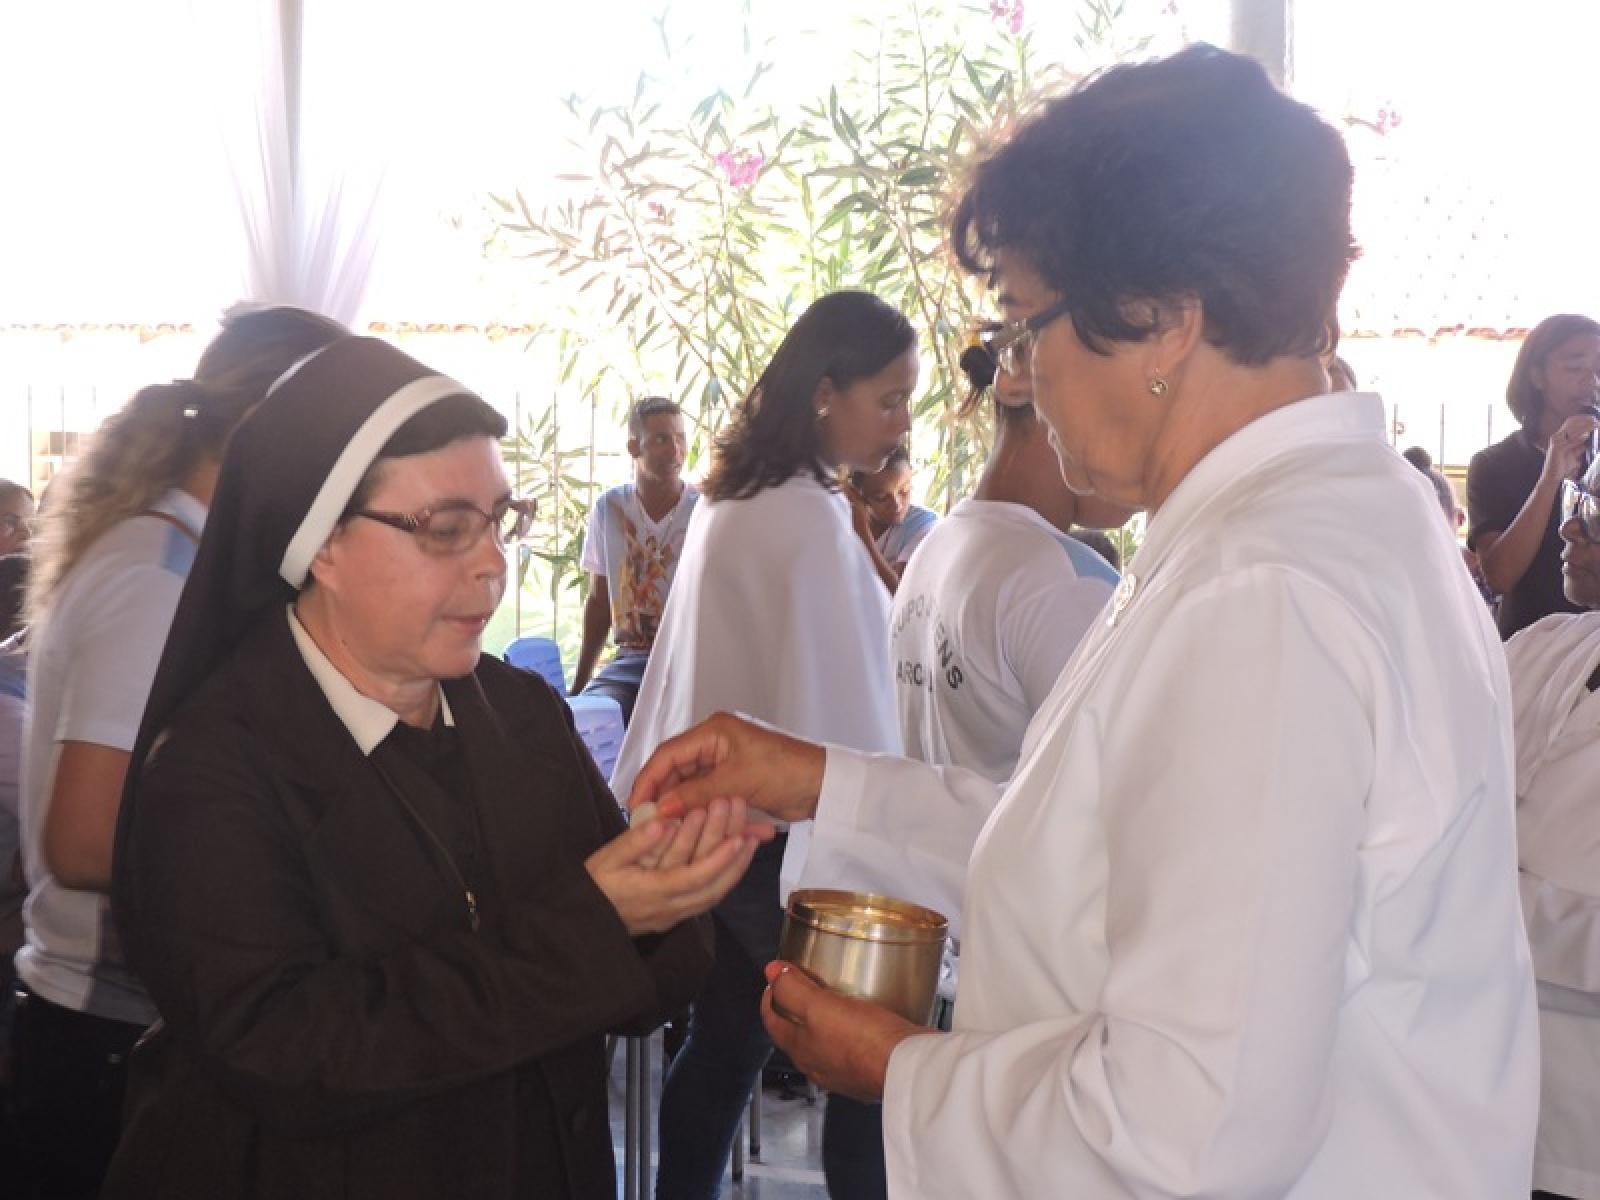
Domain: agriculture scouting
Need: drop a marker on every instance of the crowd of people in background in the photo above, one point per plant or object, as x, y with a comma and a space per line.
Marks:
1270, 868
1513, 486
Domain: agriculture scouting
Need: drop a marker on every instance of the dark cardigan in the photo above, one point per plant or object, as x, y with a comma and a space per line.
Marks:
332, 1026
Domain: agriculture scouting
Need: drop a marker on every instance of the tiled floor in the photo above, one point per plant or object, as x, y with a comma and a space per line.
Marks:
790, 1163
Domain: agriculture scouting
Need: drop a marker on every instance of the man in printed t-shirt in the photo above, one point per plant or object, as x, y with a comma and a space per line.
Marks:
631, 552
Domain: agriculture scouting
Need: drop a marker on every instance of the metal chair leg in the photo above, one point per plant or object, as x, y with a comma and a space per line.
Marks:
755, 1123
738, 1153
646, 1107
631, 1122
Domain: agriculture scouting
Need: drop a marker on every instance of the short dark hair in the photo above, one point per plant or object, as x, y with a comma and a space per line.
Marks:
650, 406
14, 569
1443, 489
843, 337
1523, 396
900, 456
1188, 177
435, 427
1418, 457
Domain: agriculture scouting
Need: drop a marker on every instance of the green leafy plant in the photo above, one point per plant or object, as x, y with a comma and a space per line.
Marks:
560, 481
693, 235
692, 240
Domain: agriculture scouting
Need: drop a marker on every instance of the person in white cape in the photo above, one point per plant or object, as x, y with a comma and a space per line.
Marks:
775, 613
1244, 923
1555, 687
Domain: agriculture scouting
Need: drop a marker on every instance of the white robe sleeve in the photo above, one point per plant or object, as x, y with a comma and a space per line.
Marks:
1236, 761
900, 828
1549, 665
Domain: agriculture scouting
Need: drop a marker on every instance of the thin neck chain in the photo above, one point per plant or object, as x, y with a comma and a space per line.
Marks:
664, 526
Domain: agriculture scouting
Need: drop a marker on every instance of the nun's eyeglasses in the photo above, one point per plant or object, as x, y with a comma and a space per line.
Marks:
456, 526
1576, 502
1011, 346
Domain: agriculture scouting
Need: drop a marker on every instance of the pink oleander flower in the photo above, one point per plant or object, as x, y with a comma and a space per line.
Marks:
1385, 119
740, 166
1008, 11
1388, 119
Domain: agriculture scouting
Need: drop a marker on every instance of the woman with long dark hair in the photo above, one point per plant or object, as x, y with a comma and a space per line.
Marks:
777, 613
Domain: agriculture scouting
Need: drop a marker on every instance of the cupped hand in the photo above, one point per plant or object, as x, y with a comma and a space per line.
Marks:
660, 872
838, 1042
725, 757
700, 832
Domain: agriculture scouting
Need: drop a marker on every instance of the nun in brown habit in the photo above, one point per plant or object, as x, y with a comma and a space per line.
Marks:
382, 898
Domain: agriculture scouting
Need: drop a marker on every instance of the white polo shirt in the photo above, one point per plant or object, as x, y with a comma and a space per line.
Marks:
92, 659
986, 616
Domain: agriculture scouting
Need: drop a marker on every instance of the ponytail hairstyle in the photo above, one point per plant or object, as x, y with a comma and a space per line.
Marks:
982, 372
774, 434
159, 437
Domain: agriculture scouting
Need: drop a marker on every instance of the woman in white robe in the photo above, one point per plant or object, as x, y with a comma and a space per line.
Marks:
1244, 923
775, 613
1555, 688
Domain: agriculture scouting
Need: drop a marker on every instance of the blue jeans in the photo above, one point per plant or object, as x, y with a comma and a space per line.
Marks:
619, 680
709, 1084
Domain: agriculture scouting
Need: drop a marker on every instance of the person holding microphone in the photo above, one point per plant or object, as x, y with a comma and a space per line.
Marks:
1512, 486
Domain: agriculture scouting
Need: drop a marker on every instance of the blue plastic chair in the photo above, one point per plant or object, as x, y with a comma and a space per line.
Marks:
540, 655
599, 722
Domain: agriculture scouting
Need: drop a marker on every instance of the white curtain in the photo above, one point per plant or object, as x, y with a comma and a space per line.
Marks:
306, 98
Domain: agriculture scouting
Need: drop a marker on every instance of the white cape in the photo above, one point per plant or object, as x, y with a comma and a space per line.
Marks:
776, 613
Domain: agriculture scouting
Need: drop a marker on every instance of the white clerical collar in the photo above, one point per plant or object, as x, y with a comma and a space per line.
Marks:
368, 721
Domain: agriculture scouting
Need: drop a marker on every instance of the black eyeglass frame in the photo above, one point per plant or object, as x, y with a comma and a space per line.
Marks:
417, 523
1014, 339
1577, 501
